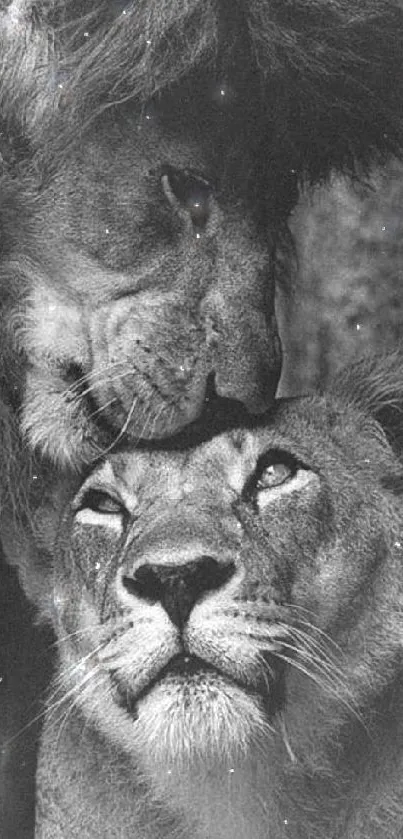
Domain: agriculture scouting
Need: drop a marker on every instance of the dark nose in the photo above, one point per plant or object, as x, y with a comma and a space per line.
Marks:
178, 587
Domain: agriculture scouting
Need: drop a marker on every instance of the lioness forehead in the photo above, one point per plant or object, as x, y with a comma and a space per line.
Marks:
305, 428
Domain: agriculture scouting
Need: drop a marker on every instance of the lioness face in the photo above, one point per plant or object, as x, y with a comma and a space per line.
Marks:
146, 272
213, 603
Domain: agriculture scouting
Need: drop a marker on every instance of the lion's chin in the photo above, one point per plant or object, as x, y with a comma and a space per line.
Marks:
198, 723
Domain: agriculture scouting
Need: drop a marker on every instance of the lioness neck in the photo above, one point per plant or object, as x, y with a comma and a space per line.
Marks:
87, 789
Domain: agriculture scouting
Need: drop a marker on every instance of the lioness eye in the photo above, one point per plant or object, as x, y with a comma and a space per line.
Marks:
274, 475
101, 502
275, 469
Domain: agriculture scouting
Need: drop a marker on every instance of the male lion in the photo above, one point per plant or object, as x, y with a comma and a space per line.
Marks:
230, 630
150, 157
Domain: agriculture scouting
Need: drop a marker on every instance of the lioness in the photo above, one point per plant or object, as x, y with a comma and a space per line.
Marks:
229, 623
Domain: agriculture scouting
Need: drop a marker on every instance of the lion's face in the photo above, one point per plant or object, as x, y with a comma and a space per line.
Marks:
153, 279
217, 603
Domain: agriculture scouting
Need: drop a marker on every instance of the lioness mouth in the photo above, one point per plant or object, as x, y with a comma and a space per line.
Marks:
191, 671
182, 665
186, 665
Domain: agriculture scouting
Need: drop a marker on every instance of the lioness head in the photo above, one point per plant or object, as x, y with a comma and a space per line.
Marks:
150, 156
239, 604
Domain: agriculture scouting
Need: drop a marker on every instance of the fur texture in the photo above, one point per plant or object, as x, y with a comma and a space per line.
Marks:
229, 629
151, 153
328, 72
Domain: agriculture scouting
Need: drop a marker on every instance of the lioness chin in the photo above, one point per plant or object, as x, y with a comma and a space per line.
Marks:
229, 627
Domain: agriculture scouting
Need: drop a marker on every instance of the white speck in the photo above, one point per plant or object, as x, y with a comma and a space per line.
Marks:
97, 566
196, 204
169, 772
367, 460
285, 821
58, 600
1, 678
198, 235
231, 770
239, 525
106, 229
148, 42
34, 477
222, 92
358, 327
60, 86
383, 228
148, 116
398, 545
86, 34
124, 12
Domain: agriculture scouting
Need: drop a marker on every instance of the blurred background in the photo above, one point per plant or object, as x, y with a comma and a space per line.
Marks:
348, 297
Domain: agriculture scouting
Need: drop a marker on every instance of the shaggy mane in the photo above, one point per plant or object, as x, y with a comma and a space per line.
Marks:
331, 71
374, 385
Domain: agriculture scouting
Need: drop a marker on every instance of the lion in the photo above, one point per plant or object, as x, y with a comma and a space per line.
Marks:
151, 154
229, 628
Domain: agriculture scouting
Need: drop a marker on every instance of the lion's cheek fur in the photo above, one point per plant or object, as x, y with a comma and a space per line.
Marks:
154, 385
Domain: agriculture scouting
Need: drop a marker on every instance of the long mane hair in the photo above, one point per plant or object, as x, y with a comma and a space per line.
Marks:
330, 71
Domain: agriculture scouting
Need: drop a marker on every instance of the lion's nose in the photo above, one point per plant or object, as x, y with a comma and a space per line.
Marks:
178, 587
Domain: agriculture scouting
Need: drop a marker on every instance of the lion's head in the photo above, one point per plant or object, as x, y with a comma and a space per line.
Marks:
150, 156
229, 623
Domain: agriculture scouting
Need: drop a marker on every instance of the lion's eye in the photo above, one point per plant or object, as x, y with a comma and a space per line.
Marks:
189, 190
101, 502
274, 475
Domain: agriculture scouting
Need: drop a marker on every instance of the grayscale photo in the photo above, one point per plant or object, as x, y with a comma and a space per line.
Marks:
201, 416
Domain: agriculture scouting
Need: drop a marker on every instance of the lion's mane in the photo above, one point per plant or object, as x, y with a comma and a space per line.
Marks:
329, 73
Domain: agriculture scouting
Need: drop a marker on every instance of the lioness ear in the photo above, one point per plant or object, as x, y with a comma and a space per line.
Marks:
375, 384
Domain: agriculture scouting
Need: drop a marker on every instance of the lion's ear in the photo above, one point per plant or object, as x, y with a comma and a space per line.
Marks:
375, 385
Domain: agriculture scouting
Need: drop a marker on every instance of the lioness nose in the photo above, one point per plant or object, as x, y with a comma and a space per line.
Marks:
178, 587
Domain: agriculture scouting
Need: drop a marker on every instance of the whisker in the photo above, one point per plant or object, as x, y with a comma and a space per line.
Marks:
323, 684
65, 675
102, 380
312, 626
94, 375
37, 718
79, 633
87, 687
286, 741
323, 667
316, 647
102, 408
123, 429
73, 693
